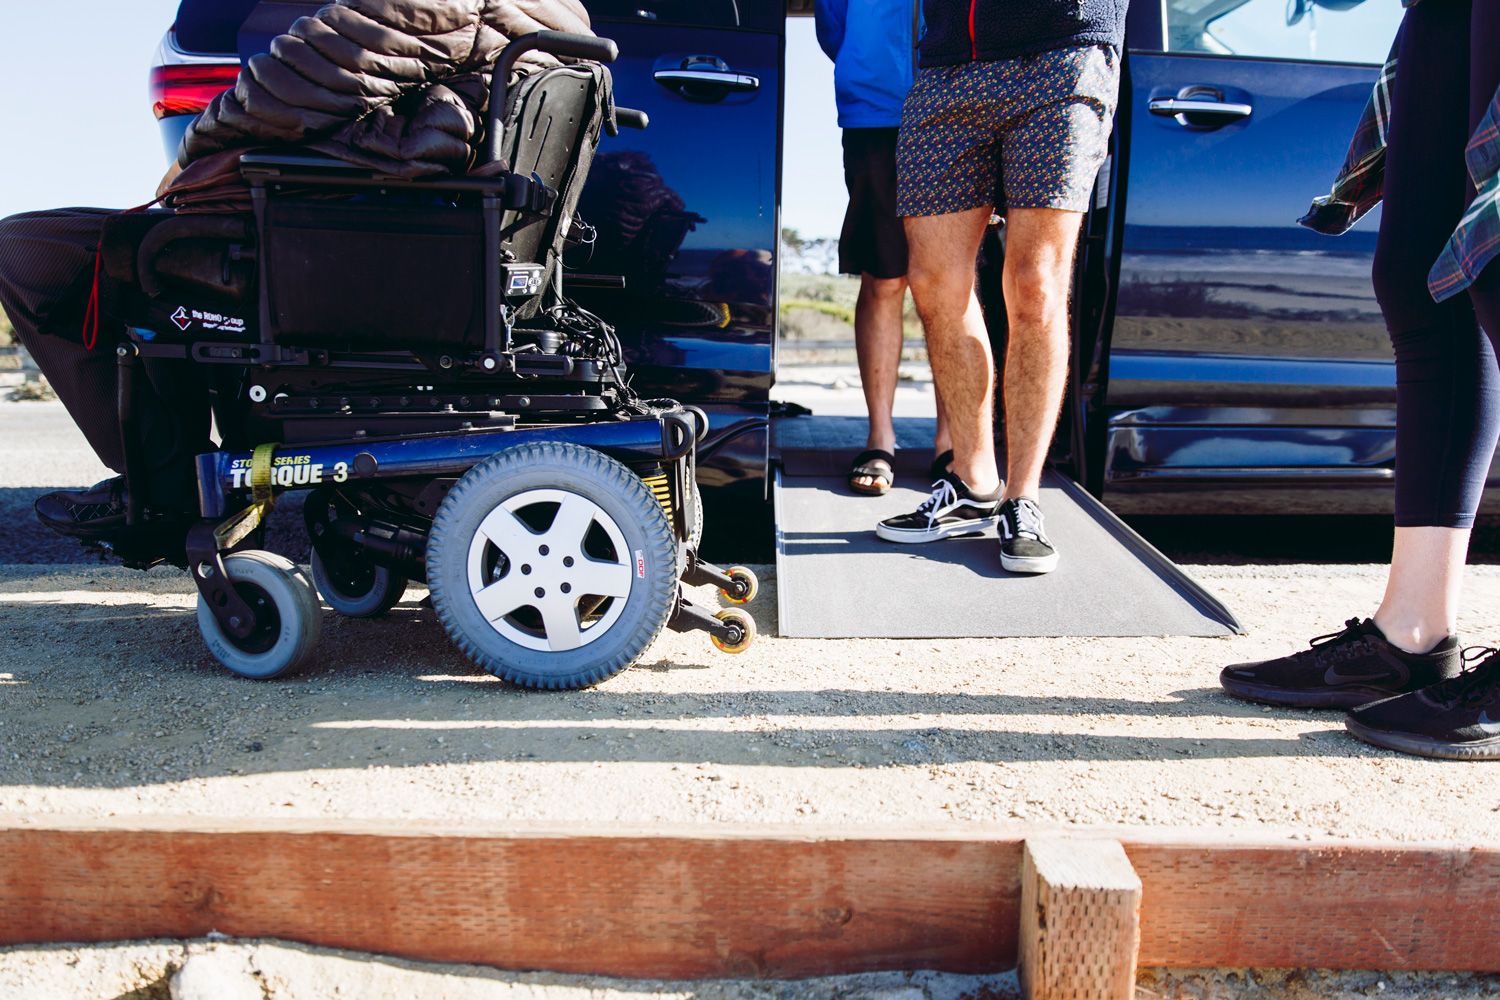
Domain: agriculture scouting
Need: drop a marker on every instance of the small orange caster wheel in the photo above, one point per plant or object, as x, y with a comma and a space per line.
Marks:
744, 588
741, 621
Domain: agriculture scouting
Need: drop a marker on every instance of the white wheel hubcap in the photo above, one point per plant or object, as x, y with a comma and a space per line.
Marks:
553, 589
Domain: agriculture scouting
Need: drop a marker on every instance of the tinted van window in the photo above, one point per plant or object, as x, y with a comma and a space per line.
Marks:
1351, 31
211, 25
708, 13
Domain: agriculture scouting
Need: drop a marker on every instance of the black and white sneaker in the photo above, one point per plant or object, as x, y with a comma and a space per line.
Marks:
1024, 546
951, 511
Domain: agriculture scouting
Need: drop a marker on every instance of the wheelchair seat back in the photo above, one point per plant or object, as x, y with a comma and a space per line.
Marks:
404, 266
347, 259
552, 130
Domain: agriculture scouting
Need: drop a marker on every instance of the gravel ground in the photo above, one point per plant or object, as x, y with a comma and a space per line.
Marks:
114, 707
111, 706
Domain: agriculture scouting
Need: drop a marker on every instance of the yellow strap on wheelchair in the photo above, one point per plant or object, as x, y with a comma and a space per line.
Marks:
260, 475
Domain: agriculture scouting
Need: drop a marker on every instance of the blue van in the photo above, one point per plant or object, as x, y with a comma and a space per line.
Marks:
1225, 359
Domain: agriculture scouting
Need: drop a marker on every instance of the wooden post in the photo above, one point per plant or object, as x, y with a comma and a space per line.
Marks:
1080, 920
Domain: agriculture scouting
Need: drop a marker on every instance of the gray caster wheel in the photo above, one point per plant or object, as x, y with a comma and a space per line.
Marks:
552, 566
288, 617
356, 588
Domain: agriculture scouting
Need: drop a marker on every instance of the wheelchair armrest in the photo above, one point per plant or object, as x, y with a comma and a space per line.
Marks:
220, 228
631, 118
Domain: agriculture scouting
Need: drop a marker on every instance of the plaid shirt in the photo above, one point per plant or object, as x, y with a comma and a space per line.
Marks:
1360, 186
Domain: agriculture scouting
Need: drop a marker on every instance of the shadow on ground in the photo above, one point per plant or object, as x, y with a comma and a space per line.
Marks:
91, 713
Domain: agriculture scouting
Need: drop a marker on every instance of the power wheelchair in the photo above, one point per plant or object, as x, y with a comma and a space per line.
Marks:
403, 350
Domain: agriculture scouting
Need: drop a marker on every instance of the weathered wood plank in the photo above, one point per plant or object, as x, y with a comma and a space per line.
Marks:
1328, 906
637, 906
727, 902
1080, 920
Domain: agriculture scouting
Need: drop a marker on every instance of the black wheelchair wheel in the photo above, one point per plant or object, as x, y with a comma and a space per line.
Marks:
355, 587
552, 566
288, 618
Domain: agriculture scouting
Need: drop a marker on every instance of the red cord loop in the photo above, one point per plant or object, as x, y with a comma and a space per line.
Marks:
90, 332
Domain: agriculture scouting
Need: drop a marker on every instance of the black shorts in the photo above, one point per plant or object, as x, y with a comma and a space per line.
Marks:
874, 240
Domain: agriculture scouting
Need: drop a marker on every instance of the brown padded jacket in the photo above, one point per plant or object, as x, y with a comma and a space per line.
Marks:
398, 85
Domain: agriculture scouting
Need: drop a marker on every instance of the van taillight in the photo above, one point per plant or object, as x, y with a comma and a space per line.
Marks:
187, 89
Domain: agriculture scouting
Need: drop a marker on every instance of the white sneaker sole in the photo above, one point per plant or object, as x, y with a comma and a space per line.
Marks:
1035, 565
978, 526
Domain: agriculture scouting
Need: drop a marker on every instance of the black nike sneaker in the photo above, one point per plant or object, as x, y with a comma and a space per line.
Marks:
1024, 546
1454, 719
1342, 670
952, 510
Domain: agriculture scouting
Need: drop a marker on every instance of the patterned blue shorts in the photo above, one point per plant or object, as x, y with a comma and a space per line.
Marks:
1029, 132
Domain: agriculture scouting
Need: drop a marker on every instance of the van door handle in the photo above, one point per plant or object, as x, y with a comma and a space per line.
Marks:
706, 84
1218, 113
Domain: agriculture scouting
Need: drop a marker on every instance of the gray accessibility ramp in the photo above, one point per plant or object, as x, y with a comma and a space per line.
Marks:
836, 580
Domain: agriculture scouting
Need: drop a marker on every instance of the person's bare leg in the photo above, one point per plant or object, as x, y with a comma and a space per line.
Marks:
942, 440
877, 343
1040, 243
940, 270
1420, 608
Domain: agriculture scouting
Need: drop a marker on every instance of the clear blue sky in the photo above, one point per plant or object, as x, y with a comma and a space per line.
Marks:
77, 127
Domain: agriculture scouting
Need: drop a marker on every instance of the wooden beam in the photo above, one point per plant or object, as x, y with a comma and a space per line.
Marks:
710, 902
637, 905
1324, 906
1080, 920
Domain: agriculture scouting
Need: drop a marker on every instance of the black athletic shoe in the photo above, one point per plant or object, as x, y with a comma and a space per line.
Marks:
1024, 546
1342, 670
89, 513
952, 510
1455, 719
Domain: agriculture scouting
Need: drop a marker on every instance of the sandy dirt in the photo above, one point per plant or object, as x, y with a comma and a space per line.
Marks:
110, 706
272, 970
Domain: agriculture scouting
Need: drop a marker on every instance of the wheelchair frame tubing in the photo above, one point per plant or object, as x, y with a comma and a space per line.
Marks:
665, 437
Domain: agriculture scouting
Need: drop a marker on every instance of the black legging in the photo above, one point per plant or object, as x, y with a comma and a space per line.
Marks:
1447, 377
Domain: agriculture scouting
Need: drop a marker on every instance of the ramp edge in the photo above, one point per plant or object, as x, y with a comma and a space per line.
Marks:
1149, 554
782, 629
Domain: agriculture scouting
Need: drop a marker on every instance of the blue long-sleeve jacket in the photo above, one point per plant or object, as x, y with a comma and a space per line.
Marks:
871, 47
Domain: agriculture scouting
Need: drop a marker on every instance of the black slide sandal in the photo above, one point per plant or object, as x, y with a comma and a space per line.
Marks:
873, 464
940, 465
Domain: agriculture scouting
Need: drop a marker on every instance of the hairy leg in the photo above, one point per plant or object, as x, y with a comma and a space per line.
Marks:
1040, 244
941, 273
942, 440
877, 342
